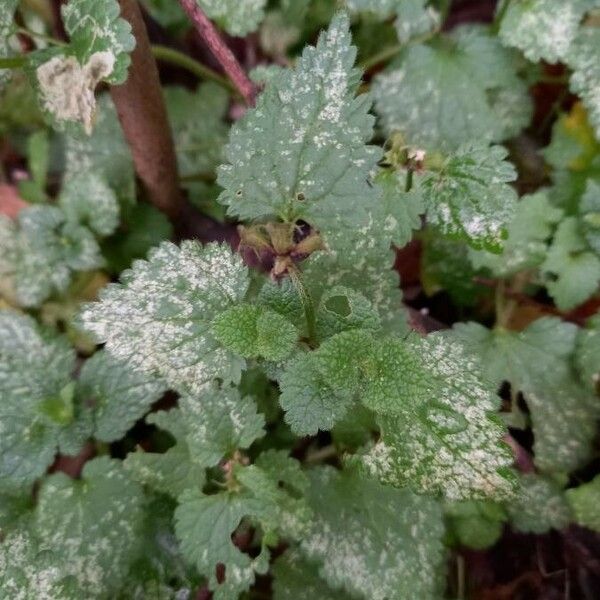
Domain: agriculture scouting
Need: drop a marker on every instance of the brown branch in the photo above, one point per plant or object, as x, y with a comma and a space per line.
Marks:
143, 116
220, 50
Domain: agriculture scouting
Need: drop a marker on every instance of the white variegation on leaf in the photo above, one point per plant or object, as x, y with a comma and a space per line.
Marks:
159, 318
238, 17
440, 96
538, 363
542, 29
93, 525
585, 80
37, 401
302, 153
439, 433
365, 536
67, 87
119, 396
43, 251
6, 22
469, 196
89, 200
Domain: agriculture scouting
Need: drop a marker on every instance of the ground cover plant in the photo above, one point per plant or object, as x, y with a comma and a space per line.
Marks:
298, 299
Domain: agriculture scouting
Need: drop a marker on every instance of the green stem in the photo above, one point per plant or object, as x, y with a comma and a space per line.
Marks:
307, 304
179, 59
444, 11
409, 181
392, 51
499, 16
13, 62
40, 36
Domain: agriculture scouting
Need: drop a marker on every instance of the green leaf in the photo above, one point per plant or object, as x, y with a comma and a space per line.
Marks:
584, 501
238, 17
587, 354
403, 209
589, 215
542, 29
343, 309
28, 570
204, 527
317, 387
302, 149
296, 578
104, 154
6, 24
88, 200
92, 524
476, 524
362, 260
119, 395
218, 423
571, 271
43, 250
159, 318
438, 431
253, 331
95, 26
537, 362
199, 131
528, 234
437, 95
539, 506
359, 534
469, 197
583, 60
171, 472
413, 17
35, 371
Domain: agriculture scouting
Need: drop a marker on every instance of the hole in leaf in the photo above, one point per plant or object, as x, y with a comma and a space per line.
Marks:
339, 305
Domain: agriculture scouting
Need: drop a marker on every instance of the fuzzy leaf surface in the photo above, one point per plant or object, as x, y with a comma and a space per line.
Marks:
542, 29
537, 362
571, 270
540, 505
96, 26
43, 250
35, 376
469, 197
585, 502
93, 524
438, 431
583, 59
159, 318
219, 421
238, 17
301, 152
363, 542
87, 199
170, 472
120, 396
528, 234
252, 332
437, 97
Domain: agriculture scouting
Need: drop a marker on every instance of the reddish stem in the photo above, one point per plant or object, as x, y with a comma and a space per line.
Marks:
143, 116
220, 50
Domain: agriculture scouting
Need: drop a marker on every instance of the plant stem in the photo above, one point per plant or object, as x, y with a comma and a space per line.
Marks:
12, 62
141, 109
220, 50
392, 51
321, 454
40, 36
179, 59
307, 304
499, 16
